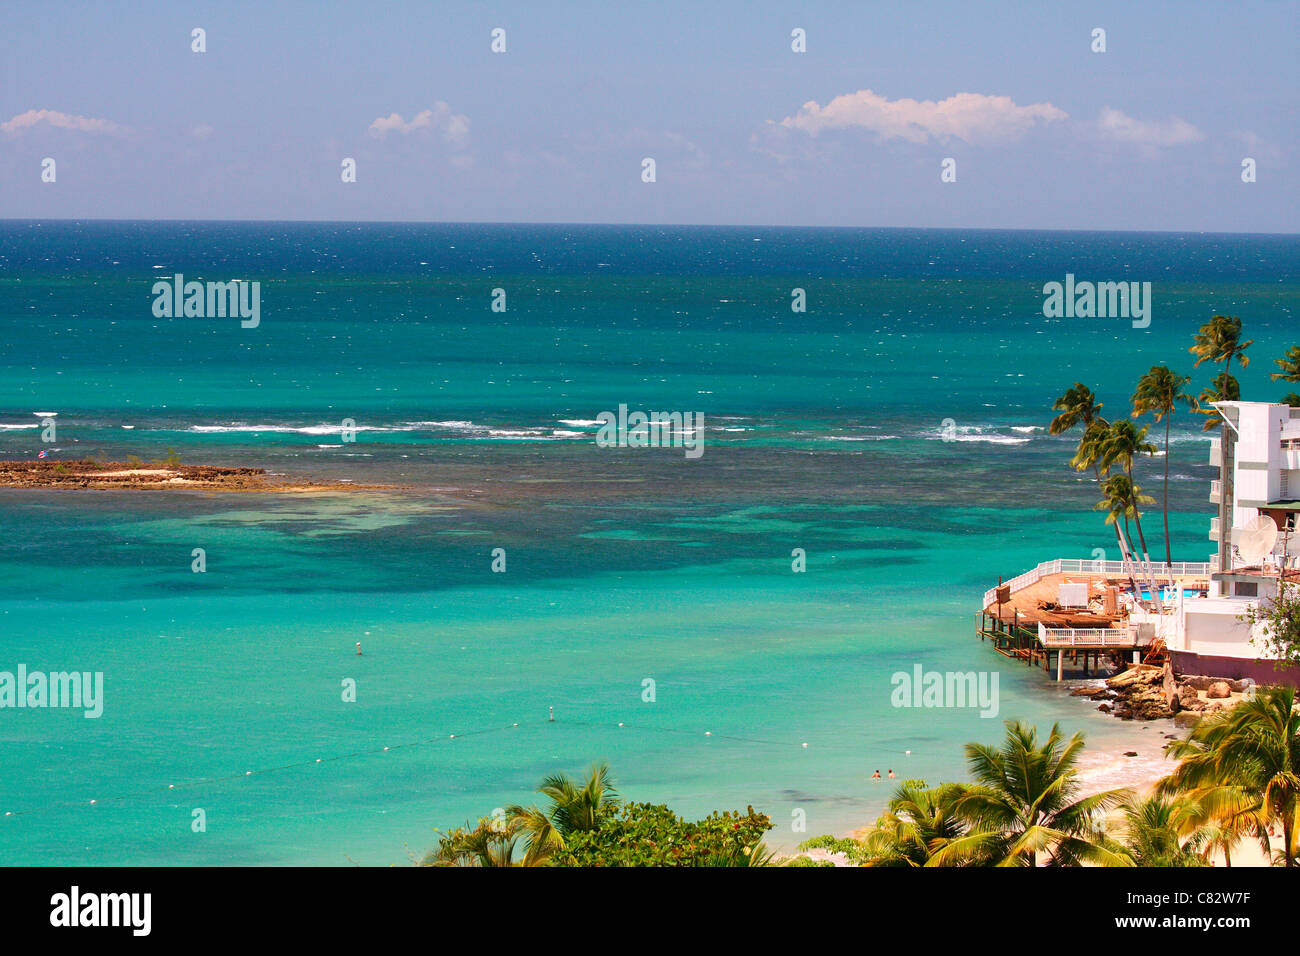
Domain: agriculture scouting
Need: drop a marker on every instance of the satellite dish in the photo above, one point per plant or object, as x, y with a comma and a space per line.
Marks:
1257, 539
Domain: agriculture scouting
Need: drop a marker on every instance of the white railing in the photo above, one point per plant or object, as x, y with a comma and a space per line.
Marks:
1216, 452
1215, 487
1076, 566
1085, 636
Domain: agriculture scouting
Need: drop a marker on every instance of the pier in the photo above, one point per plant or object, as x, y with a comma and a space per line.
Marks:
1025, 620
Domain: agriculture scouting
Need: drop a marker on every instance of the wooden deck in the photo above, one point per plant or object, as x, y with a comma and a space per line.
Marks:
1023, 606
1087, 637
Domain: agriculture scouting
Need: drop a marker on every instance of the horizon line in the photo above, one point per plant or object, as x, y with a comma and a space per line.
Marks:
646, 225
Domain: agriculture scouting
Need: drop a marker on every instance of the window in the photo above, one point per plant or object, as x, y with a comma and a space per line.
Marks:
1246, 589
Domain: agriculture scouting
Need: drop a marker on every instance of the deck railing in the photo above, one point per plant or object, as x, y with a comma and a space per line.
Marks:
1077, 566
1085, 637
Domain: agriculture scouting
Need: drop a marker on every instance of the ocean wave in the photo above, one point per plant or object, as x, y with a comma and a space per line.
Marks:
973, 433
14, 428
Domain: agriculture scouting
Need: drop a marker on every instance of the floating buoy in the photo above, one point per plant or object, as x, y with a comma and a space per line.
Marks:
171, 786
385, 748
708, 733
452, 737
92, 802
805, 745
620, 723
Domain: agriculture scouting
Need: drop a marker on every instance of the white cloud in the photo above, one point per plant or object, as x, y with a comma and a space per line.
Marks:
83, 124
971, 117
202, 131
1126, 129
453, 127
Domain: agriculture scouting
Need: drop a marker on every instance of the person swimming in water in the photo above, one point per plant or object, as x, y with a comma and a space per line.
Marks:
876, 775
891, 774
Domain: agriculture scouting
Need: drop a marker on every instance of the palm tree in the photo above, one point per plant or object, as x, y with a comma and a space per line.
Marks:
1120, 502
1223, 388
1290, 366
490, 844
1248, 760
1222, 818
1078, 406
1219, 340
1161, 831
918, 824
1025, 803
1159, 391
574, 808
1119, 446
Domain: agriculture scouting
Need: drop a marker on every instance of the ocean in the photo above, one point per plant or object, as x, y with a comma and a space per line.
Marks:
893, 435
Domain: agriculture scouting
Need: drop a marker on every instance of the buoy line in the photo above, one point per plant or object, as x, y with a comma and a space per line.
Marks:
311, 762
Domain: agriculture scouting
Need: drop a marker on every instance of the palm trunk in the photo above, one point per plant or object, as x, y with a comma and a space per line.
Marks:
1169, 551
1137, 520
1288, 848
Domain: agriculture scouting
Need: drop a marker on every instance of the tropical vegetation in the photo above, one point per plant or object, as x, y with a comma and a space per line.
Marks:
1237, 780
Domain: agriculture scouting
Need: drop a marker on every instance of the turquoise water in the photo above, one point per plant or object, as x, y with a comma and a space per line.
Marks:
824, 431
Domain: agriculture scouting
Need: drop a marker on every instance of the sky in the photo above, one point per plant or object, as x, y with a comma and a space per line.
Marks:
1043, 132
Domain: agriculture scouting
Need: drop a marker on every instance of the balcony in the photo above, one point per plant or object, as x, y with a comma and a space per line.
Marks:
1215, 487
1214, 529
1216, 453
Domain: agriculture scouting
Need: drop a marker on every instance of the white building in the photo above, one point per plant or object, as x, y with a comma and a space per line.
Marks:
1259, 474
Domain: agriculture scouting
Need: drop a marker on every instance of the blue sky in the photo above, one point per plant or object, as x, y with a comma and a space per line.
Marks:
1045, 133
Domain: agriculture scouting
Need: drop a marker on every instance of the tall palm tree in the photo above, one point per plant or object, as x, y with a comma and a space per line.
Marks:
1078, 406
1025, 803
1219, 340
1121, 444
918, 824
1159, 391
1290, 366
1247, 757
1222, 388
1120, 502
575, 806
